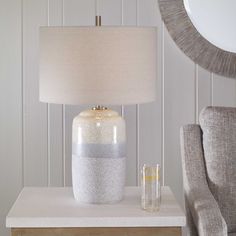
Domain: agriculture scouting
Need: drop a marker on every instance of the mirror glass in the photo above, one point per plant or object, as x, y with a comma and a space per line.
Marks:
215, 20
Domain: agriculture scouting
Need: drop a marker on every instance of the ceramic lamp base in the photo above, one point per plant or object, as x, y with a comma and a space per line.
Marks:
98, 160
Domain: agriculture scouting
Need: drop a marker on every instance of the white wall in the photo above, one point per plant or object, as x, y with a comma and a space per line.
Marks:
35, 138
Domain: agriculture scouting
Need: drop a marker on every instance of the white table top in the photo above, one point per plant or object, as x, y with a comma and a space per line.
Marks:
56, 207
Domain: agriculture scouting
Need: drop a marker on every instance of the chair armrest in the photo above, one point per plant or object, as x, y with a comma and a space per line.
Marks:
202, 205
206, 213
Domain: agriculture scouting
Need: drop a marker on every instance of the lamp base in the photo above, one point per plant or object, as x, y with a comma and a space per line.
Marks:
98, 160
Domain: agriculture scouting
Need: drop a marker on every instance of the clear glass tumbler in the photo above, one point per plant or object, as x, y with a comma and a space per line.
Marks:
151, 191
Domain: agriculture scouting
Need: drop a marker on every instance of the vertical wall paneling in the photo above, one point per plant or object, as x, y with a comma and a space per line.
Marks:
224, 91
76, 13
110, 11
150, 117
48, 122
79, 12
129, 18
137, 118
129, 12
63, 117
162, 55
55, 127
35, 113
11, 107
179, 109
122, 23
204, 89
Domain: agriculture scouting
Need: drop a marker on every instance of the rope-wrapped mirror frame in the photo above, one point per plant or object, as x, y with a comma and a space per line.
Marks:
192, 43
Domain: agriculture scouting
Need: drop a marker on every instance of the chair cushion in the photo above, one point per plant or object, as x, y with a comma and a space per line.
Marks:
219, 143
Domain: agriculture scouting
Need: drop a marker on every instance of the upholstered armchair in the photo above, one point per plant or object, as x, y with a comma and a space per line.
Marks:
209, 173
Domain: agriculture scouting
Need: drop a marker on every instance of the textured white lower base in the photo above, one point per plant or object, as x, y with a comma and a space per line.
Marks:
98, 180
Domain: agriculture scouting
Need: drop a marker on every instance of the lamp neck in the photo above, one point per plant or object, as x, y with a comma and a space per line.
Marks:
98, 21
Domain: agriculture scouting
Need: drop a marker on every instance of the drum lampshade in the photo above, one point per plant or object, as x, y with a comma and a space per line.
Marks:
98, 65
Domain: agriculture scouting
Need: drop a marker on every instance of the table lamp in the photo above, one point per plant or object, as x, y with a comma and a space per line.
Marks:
102, 66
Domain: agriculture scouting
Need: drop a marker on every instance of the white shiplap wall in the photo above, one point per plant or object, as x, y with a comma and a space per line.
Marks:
35, 138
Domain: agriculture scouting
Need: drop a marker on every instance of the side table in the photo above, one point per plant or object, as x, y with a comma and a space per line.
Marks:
54, 212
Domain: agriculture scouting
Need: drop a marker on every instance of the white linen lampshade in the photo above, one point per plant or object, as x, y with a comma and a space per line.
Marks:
98, 65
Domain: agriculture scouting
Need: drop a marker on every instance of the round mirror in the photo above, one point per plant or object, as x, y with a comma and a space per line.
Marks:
205, 31
214, 20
